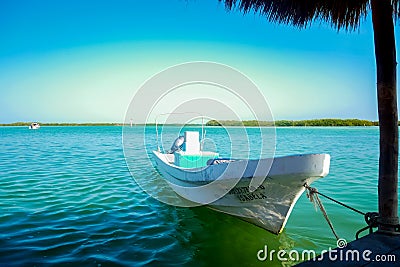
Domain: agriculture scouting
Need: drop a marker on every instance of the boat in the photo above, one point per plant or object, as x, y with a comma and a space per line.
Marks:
34, 126
260, 191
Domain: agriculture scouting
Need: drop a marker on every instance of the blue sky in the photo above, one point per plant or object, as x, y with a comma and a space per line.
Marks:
82, 61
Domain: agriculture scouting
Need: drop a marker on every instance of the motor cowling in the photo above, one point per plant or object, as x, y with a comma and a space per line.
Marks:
177, 145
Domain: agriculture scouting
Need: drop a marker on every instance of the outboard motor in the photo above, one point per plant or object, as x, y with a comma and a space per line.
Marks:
177, 145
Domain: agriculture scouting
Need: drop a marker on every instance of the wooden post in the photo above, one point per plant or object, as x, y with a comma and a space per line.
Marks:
385, 56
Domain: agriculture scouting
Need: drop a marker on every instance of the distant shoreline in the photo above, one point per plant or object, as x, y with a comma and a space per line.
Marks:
250, 123
289, 123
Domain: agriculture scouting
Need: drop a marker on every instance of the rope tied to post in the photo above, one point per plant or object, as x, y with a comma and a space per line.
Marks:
334, 200
371, 218
312, 195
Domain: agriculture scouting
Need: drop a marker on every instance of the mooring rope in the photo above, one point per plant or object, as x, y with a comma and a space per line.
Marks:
371, 218
334, 200
312, 194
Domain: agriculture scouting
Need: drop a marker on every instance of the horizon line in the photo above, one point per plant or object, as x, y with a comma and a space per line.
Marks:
284, 122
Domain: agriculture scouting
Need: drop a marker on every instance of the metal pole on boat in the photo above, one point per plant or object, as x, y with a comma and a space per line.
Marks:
202, 127
203, 133
158, 145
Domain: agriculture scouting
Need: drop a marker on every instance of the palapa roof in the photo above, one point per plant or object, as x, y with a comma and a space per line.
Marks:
340, 14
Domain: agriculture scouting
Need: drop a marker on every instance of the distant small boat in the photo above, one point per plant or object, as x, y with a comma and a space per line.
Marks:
268, 206
34, 126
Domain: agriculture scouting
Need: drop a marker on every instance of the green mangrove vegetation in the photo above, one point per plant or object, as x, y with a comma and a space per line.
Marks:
315, 122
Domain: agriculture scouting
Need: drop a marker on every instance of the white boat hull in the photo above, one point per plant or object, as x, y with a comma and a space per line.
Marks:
268, 206
34, 126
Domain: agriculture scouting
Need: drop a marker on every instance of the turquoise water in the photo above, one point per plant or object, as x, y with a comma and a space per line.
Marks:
67, 198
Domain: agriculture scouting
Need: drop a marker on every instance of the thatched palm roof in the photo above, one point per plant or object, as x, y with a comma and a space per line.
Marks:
341, 14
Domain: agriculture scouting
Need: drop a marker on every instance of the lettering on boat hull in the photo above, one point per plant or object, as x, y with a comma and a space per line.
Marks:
244, 195
251, 196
